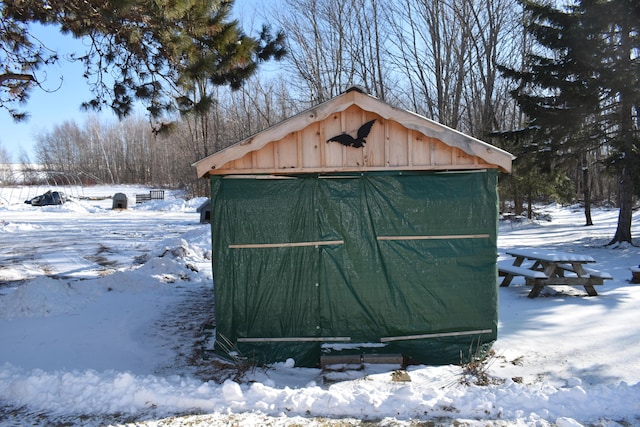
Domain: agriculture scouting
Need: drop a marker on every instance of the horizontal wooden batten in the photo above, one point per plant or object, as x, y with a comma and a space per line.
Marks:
342, 174
437, 335
295, 339
445, 237
293, 171
286, 245
341, 242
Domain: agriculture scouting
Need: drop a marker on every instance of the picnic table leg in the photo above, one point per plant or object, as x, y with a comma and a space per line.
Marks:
588, 286
507, 280
538, 284
537, 266
537, 287
509, 277
535, 291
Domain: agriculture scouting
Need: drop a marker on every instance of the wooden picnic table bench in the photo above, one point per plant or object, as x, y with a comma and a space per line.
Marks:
550, 268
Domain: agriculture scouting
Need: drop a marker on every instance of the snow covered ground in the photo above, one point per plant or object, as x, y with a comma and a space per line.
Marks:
105, 314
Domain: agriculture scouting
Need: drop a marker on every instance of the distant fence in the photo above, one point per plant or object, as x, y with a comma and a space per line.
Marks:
153, 195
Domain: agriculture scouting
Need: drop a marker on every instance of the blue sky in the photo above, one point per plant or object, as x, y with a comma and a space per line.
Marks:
48, 109
66, 89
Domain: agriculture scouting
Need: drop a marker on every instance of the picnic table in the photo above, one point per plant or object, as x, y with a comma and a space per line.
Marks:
547, 267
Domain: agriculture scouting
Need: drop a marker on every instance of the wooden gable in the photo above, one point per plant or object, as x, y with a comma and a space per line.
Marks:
398, 140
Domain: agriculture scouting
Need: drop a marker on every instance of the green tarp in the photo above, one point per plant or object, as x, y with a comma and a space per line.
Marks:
386, 263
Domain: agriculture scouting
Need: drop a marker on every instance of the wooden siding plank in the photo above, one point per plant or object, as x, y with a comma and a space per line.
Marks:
299, 137
463, 158
398, 145
354, 157
442, 154
375, 148
287, 152
410, 147
322, 144
420, 150
333, 150
265, 157
311, 143
387, 143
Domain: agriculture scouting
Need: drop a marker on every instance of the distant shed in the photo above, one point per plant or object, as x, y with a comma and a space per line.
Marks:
205, 212
120, 201
385, 246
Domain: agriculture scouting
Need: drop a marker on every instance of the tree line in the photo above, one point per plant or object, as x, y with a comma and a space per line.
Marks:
493, 69
132, 150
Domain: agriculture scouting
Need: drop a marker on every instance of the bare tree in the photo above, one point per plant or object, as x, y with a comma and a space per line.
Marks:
447, 54
495, 40
432, 42
57, 150
333, 45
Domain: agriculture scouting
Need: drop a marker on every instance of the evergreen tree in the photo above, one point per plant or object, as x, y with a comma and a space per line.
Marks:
136, 48
21, 59
618, 67
581, 88
218, 54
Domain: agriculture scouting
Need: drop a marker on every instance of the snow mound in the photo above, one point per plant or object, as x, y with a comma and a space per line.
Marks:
43, 297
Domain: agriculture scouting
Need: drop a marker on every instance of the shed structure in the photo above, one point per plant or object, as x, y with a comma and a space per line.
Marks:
205, 212
120, 201
388, 247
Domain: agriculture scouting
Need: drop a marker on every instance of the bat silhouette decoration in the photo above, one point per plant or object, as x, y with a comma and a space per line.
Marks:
357, 142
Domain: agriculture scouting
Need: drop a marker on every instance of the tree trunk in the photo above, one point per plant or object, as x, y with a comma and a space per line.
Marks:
530, 204
586, 191
517, 200
623, 232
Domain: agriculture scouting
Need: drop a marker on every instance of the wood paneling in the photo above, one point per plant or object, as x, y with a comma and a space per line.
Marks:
398, 140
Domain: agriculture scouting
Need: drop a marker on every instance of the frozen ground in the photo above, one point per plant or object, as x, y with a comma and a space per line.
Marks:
105, 316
